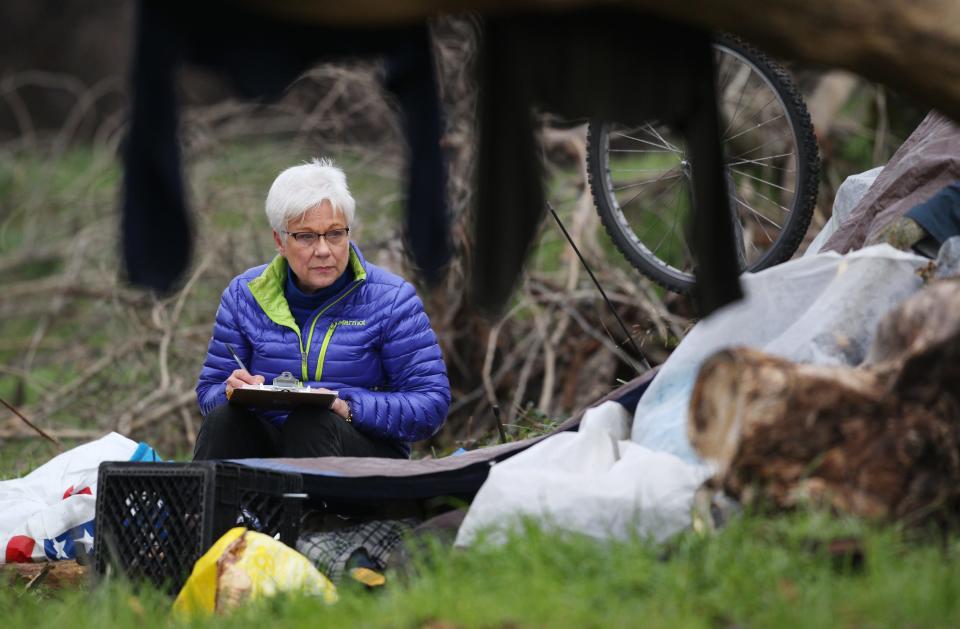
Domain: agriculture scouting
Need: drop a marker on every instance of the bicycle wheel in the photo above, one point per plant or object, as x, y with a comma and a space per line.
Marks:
640, 176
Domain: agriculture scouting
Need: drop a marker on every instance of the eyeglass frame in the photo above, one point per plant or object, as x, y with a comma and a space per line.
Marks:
320, 236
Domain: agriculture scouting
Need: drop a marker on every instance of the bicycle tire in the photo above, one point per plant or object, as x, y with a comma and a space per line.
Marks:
805, 187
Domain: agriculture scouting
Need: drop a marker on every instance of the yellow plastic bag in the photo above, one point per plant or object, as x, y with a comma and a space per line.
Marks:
244, 565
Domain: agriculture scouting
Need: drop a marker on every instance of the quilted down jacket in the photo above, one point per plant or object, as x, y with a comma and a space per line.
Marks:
372, 343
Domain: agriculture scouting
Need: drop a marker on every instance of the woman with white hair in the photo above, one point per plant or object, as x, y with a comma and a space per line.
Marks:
335, 321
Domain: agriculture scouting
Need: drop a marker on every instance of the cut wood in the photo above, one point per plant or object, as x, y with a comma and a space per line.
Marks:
880, 441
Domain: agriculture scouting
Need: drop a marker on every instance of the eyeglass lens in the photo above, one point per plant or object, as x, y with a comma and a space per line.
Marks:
334, 236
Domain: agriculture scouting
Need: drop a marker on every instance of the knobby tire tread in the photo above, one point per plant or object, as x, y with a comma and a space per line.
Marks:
808, 177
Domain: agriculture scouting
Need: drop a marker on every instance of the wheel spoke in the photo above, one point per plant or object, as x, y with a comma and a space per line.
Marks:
769, 183
754, 128
758, 215
723, 79
639, 170
656, 197
672, 228
758, 112
736, 111
761, 161
665, 146
647, 182
653, 131
637, 151
754, 250
772, 202
687, 254
767, 143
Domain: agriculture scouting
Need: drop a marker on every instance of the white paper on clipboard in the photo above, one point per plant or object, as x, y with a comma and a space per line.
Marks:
270, 396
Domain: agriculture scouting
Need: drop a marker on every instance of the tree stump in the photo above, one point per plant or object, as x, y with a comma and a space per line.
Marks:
881, 440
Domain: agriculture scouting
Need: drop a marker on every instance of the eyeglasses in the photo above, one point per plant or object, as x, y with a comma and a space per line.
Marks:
309, 239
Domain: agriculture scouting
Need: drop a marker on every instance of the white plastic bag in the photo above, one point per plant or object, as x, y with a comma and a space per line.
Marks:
49, 512
594, 482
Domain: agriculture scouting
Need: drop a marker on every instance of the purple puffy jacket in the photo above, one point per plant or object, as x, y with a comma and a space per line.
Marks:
372, 343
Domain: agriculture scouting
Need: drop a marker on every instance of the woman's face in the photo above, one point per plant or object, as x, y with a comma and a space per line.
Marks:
319, 265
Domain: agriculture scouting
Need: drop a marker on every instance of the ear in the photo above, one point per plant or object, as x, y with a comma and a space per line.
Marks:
278, 241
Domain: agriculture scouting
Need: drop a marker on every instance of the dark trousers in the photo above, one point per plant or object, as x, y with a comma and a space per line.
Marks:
235, 432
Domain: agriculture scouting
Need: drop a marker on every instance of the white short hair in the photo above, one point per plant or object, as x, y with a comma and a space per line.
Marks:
301, 188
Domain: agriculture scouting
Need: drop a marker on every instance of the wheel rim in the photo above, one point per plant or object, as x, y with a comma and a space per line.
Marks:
647, 175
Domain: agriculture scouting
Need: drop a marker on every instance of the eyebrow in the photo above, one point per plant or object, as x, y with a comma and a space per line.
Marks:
310, 231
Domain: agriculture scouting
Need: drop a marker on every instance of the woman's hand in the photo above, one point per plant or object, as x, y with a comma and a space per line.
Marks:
341, 408
240, 377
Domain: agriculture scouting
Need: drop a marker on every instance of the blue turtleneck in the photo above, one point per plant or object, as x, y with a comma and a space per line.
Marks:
302, 304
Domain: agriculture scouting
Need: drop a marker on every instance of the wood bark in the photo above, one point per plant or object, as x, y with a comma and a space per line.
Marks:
54, 574
881, 440
913, 47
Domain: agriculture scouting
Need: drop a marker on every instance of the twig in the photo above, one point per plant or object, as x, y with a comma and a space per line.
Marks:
606, 342
59, 398
36, 428
549, 361
505, 367
38, 578
189, 431
522, 379
496, 415
125, 421
61, 433
492, 350
171, 323
880, 139
183, 398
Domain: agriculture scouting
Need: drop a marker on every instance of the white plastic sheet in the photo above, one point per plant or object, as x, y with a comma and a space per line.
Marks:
594, 481
822, 309
49, 512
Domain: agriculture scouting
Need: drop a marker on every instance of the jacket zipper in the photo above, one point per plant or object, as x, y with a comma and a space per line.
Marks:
326, 338
303, 353
323, 350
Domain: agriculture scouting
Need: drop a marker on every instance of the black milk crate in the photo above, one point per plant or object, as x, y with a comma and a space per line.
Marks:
154, 520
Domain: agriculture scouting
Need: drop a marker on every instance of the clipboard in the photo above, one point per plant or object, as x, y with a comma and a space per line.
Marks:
271, 396
285, 392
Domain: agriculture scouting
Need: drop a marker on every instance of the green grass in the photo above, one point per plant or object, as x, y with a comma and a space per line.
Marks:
757, 572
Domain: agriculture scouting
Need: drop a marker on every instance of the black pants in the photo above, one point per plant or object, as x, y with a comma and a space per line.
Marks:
235, 432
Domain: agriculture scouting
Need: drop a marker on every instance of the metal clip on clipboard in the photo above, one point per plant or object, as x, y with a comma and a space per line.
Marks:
286, 381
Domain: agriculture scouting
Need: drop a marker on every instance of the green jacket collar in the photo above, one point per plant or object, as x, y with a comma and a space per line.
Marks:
267, 288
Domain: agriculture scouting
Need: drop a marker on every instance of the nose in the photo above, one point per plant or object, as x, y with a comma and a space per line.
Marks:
322, 248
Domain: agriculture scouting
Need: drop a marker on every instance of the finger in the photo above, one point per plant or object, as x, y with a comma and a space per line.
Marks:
244, 376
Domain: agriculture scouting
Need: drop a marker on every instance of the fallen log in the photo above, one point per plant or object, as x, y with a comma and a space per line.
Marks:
880, 441
913, 47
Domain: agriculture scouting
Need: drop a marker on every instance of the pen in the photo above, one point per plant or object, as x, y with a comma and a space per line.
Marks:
236, 358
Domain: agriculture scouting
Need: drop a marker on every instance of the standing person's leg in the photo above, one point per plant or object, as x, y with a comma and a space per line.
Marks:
313, 433
234, 432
